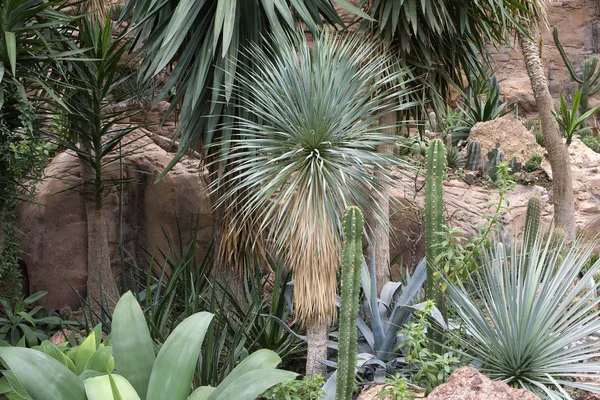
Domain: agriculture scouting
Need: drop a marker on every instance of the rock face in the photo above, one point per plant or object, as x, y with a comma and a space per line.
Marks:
53, 232
578, 23
467, 383
514, 139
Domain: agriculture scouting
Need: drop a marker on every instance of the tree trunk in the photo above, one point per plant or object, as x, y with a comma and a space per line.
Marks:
379, 250
562, 186
317, 335
101, 290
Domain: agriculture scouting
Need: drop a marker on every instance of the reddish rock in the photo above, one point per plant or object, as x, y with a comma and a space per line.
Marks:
467, 383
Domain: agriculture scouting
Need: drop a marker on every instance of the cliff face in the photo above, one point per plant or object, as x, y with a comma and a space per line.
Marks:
578, 23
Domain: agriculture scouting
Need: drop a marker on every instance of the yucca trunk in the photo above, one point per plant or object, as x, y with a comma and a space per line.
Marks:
316, 333
562, 186
100, 280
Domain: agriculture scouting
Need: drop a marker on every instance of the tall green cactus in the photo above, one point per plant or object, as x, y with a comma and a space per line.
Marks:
589, 81
532, 221
473, 155
350, 283
434, 217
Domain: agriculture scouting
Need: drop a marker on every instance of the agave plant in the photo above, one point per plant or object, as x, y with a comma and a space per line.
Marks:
529, 321
139, 372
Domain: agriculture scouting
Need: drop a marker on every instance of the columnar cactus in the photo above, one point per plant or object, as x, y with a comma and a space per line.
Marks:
532, 221
473, 155
350, 283
495, 157
434, 217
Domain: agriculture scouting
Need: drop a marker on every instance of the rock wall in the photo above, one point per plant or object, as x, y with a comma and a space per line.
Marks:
578, 23
53, 231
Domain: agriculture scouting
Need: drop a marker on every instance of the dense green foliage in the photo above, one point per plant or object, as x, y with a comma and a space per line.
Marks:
533, 163
308, 388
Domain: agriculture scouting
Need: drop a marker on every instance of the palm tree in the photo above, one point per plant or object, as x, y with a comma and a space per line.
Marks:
562, 185
310, 156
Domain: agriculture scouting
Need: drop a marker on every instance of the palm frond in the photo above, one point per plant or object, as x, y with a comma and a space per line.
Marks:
307, 150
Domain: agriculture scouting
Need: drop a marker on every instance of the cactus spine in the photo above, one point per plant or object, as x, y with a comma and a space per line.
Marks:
532, 221
350, 283
473, 155
434, 217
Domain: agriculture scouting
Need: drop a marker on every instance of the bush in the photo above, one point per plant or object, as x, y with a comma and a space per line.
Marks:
528, 320
533, 163
309, 388
591, 142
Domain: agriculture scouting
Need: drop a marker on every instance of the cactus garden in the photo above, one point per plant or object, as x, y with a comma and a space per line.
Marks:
299, 199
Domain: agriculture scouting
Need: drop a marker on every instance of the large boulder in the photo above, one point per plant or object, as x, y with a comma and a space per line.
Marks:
467, 383
53, 230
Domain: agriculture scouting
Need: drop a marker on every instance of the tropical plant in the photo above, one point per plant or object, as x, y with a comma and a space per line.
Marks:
482, 101
528, 321
311, 155
93, 133
533, 163
570, 120
308, 388
25, 325
143, 374
454, 159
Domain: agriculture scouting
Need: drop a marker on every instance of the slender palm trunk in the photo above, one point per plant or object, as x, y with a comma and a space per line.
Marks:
100, 280
317, 348
562, 186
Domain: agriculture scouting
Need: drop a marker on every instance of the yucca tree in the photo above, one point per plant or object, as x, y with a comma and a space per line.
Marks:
201, 41
312, 154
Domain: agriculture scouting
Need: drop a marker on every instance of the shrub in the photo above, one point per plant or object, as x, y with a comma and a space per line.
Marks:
533, 163
528, 321
309, 388
592, 142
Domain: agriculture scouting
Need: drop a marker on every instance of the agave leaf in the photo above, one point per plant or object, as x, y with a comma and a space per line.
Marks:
202, 393
42, 376
181, 349
102, 388
84, 352
133, 349
261, 359
251, 384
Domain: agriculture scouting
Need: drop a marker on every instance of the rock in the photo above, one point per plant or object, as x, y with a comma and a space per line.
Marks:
577, 23
53, 231
467, 383
515, 140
